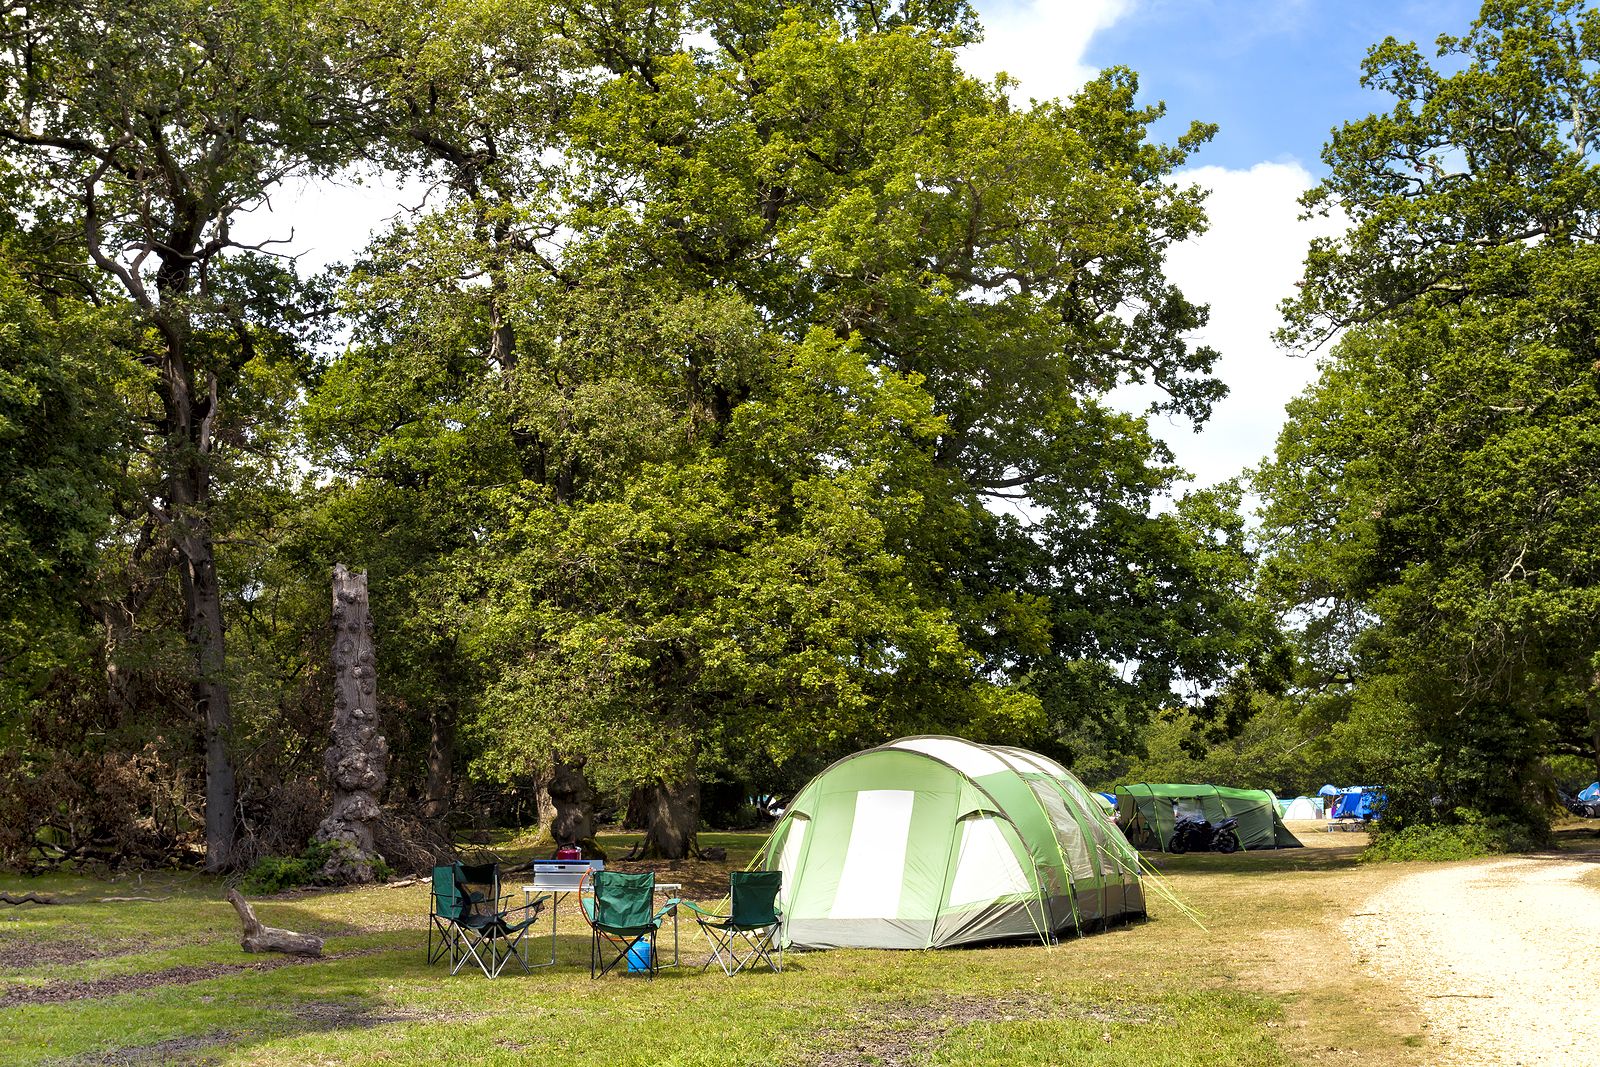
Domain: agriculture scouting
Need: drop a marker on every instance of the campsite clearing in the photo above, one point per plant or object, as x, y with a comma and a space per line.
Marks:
1271, 979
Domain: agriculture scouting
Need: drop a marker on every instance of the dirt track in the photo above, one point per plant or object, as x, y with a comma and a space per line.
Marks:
1503, 956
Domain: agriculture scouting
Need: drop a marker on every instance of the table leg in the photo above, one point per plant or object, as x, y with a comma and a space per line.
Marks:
555, 904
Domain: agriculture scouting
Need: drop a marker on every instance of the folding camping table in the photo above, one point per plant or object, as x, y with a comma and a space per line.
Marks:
561, 877
558, 878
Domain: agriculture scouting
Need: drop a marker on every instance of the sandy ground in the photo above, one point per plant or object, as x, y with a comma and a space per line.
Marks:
1503, 956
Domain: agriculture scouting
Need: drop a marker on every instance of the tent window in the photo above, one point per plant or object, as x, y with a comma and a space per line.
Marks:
986, 867
1073, 846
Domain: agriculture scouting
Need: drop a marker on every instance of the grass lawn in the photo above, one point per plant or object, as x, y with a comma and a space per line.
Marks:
1269, 980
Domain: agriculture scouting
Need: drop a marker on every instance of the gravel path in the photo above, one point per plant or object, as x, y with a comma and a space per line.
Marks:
1503, 956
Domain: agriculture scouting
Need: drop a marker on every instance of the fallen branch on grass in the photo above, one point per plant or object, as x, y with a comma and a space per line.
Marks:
260, 938
130, 900
26, 898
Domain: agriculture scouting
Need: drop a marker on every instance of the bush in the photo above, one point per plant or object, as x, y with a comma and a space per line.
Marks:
1471, 836
744, 817
274, 874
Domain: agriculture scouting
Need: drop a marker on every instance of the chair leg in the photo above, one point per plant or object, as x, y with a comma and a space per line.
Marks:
469, 948
759, 945
597, 956
510, 944
718, 936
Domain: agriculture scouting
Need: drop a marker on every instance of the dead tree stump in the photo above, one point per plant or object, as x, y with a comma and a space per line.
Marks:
356, 762
259, 938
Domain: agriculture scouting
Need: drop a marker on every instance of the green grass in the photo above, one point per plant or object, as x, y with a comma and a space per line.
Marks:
1162, 992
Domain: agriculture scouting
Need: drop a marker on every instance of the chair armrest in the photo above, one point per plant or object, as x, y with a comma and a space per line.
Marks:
531, 908
666, 909
698, 910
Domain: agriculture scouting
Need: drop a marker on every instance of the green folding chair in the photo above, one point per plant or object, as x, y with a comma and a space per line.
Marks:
752, 930
486, 929
622, 915
446, 908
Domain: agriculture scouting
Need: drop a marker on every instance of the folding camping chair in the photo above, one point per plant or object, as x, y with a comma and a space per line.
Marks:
753, 926
622, 916
482, 924
446, 908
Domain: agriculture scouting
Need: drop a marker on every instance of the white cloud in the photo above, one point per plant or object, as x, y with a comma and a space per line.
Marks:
1040, 42
1242, 267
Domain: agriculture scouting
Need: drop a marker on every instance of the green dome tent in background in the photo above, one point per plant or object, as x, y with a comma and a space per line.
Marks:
1145, 813
928, 842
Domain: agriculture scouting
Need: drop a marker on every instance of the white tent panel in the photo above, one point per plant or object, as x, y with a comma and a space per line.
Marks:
964, 756
875, 859
986, 868
1030, 762
789, 858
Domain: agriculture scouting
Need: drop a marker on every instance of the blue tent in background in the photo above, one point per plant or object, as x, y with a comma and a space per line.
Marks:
1359, 802
1591, 793
1109, 798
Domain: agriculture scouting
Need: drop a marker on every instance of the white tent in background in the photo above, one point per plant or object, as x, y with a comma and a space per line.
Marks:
1304, 808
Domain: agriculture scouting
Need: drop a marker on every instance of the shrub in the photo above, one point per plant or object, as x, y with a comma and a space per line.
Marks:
744, 817
1471, 836
274, 874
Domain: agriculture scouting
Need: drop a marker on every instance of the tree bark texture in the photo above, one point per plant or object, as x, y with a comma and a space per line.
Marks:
203, 606
188, 486
441, 756
357, 761
572, 804
260, 938
672, 814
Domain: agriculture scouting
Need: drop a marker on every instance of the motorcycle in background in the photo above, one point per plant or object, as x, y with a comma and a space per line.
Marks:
1191, 834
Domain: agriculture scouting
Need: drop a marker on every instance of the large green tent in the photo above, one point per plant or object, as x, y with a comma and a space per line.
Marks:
928, 842
1146, 813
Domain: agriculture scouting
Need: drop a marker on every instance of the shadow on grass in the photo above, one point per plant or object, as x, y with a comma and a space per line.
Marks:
310, 1017
1254, 864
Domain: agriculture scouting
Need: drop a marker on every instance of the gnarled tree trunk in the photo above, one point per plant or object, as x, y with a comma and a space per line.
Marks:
672, 816
571, 802
356, 762
441, 756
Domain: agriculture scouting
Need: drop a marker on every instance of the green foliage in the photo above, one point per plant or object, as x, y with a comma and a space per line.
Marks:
273, 874
1468, 836
681, 432
63, 436
1431, 506
719, 463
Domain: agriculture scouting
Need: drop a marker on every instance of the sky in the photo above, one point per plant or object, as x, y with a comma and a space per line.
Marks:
1275, 75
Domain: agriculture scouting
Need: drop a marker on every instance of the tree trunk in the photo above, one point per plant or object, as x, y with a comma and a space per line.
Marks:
673, 820
571, 803
190, 416
259, 938
1594, 720
356, 762
202, 602
636, 816
545, 817
441, 756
